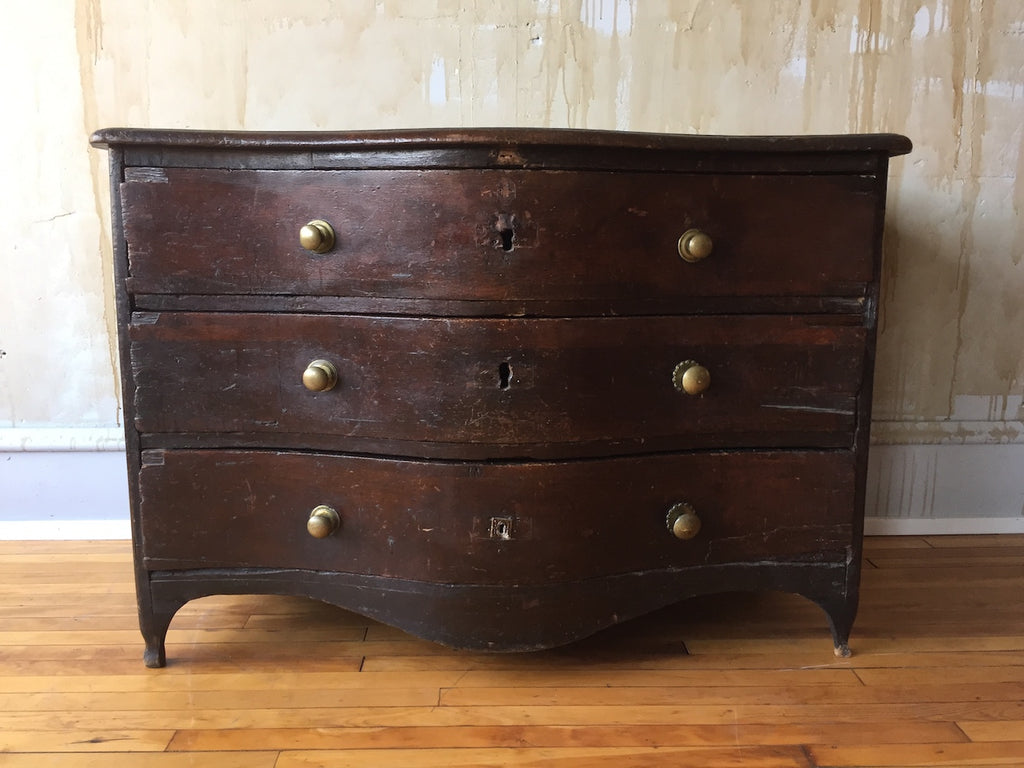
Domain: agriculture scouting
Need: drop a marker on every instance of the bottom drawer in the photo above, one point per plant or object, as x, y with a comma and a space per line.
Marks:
491, 523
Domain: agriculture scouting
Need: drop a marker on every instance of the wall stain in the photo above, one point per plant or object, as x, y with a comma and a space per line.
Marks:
89, 41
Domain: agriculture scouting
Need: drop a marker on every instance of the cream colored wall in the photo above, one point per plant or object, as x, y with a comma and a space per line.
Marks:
948, 73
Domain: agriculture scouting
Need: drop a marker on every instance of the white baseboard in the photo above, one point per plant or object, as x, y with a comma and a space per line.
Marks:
61, 439
64, 530
63, 495
951, 482
950, 526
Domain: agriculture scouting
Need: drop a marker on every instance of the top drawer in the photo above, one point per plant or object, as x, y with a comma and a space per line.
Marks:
491, 235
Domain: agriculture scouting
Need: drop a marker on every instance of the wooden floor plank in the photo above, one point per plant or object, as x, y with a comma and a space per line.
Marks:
140, 760
639, 677
976, 541
1011, 557
864, 647
962, 699
109, 738
52, 560
988, 730
343, 659
61, 548
175, 636
388, 715
723, 662
926, 755
611, 735
11, 590
954, 675
151, 703
531, 757
179, 678
875, 543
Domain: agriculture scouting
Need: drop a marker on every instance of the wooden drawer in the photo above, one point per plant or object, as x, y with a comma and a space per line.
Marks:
442, 521
480, 388
491, 235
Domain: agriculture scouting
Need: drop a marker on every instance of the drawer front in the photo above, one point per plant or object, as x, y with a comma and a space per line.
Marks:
494, 523
498, 235
504, 386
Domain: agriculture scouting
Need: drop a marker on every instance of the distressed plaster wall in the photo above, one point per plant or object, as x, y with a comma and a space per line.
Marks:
948, 73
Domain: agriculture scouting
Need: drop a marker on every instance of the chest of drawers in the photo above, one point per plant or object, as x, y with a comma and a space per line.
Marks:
498, 388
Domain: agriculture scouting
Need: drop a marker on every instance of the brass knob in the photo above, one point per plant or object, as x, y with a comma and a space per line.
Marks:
320, 376
691, 377
317, 236
682, 520
695, 245
323, 521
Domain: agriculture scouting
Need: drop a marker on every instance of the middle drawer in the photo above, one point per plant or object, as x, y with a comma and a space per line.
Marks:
488, 387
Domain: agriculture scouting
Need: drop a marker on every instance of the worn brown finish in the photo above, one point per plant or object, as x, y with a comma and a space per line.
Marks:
432, 521
439, 234
542, 148
503, 311
514, 384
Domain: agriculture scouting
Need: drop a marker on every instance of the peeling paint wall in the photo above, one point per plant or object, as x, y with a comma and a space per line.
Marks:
948, 73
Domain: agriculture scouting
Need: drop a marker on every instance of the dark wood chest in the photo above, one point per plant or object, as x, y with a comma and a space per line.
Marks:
498, 388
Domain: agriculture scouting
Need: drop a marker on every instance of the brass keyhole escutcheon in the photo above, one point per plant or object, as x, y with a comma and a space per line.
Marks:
695, 245
683, 521
320, 376
317, 236
323, 521
691, 377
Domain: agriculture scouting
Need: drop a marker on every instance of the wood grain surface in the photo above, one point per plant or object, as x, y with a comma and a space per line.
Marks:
501, 386
497, 234
433, 521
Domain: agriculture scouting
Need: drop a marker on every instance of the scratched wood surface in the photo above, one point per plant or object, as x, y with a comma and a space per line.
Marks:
937, 677
782, 381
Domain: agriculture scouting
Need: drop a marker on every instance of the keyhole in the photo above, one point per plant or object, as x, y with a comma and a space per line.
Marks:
506, 239
504, 375
501, 528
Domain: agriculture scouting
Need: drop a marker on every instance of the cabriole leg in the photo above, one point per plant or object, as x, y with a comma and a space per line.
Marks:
841, 612
154, 631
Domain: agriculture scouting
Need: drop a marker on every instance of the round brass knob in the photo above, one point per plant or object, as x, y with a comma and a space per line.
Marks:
682, 520
695, 245
691, 377
323, 521
320, 376
317, 236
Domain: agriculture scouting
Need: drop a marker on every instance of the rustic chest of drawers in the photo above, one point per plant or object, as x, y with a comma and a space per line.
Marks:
498, 388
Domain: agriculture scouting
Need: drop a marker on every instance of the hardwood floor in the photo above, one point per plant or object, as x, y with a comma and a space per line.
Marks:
937, 677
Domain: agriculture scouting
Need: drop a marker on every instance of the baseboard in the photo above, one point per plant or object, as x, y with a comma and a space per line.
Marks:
951, 526
61, 439
64, 530
65, 494
956, 483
